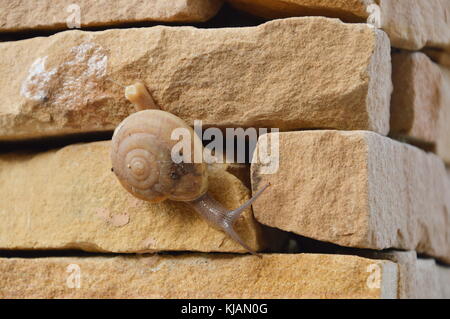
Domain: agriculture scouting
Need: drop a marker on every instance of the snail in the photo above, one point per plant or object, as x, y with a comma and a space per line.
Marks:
141, 156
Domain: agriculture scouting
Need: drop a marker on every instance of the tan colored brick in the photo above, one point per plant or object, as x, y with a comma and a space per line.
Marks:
416, 24
70, 199
418, 278
433, 281
443, 139
24, 15
337, 76
410, 24
357, 189
200, 276
440, 57
416, 100
420, 104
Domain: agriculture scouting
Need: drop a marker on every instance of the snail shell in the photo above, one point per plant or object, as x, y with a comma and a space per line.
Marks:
141, 158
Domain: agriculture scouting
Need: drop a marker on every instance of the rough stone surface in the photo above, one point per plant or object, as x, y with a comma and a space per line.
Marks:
433, 281
417, 278
357, 189
440, 57
24, 15
443, 139
410, 24
199, 276
408, 285
416, 99
70, 199
420, 104
448, 171
415, 24
335, 75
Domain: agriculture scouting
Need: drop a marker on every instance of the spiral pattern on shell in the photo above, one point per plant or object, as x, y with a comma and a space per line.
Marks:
141, 159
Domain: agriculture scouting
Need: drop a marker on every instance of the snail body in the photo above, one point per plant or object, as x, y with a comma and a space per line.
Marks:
142, 160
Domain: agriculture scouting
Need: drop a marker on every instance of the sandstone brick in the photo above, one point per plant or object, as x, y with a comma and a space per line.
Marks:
416, 99
200, 276
440, 57
433, 281
23, 15
418, 278
415, 24
336, 76
444, 285
357, 189
443, 139
407, 271
410, 24
420, 104
70, 199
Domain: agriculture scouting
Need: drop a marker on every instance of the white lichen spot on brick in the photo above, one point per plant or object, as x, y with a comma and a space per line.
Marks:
81, 76
72, 84
35, 86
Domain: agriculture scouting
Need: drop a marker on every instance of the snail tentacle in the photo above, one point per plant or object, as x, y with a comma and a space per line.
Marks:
221, 218
139, 96
234, 214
